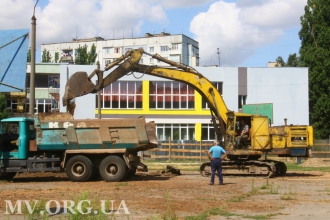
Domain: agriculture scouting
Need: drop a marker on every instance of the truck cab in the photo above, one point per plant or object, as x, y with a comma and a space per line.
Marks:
15, 137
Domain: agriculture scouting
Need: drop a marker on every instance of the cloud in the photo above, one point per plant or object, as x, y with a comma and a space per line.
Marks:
62, 20
183, 3
15, 14
239, 29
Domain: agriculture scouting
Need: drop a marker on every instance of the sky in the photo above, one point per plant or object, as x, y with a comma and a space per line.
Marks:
248, 33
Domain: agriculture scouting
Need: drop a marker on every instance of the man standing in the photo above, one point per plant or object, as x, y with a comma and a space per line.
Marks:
216, 164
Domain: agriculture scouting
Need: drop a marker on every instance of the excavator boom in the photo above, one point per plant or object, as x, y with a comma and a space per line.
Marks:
80, 83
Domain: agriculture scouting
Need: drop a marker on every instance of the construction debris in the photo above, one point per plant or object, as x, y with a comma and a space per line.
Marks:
170, 171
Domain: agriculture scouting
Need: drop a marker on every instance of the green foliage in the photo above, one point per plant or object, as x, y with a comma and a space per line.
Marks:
83, 57
293, 61
4, 113
92, 55
57, 57
315, 54
28, 59
46, 57
38, 212
280, 62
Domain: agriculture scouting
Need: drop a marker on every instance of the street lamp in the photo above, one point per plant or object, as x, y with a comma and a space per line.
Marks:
33, 61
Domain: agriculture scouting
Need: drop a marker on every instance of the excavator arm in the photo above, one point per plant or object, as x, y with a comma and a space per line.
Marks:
80, 84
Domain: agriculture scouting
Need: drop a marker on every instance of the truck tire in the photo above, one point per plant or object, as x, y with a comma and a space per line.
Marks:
79, 168
112, 169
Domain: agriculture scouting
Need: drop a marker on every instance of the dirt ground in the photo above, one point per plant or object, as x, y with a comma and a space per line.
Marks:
298, 195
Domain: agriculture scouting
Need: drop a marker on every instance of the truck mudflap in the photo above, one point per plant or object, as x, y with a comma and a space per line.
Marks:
134, 162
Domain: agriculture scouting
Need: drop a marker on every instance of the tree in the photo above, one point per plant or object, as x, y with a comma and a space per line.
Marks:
46, 57
83, 57
279, 62
315, 53
29, 55
57, 57
92, 55
4, 113
293, 61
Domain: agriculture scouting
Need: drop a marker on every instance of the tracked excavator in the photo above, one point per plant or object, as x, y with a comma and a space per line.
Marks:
248, 158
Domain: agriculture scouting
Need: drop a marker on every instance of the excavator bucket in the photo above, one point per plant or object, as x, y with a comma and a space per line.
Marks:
78, 84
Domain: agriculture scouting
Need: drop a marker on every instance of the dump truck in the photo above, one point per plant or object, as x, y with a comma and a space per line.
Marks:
55, 142
283, 141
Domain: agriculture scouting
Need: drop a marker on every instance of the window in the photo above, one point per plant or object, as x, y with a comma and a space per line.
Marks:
106, 62
141, 61
241, 101
164, 48
171, 95
208, 132
122, 95
151, 49
217, 85
106, 50
151, 60
43, 105
175, 46
116, 50
175, 131
175, 58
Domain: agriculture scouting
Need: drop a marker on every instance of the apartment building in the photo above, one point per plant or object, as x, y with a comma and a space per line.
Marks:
177, 47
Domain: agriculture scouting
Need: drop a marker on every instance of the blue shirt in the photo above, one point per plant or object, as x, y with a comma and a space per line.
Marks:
217, 151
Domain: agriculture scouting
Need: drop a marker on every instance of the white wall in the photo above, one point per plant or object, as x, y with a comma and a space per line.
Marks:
286, 88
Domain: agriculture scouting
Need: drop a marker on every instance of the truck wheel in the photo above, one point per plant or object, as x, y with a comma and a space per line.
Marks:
79, 169
112, 169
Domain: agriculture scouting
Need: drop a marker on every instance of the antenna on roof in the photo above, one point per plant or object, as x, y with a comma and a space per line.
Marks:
76, 33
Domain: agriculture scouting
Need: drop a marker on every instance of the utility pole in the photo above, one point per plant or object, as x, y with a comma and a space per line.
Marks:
33, 62
218, 56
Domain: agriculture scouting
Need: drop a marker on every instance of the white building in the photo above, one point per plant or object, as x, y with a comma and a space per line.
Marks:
285, 88
178, 48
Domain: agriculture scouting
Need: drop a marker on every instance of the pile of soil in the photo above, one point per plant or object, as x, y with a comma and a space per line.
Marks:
316, 162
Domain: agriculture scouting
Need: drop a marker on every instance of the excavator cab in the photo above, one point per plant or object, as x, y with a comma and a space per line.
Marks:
235, 124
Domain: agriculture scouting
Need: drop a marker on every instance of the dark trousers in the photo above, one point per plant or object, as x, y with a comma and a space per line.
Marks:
216, 165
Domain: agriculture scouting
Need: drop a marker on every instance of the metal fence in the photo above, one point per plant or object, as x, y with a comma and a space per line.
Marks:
197, 150
187, 150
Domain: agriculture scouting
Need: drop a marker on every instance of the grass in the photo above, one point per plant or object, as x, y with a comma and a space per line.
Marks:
296, 167
221, 211
38, 211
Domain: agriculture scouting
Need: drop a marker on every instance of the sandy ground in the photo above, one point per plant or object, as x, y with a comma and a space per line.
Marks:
298, 195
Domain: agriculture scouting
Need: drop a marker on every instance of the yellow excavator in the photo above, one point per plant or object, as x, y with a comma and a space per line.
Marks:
244, 157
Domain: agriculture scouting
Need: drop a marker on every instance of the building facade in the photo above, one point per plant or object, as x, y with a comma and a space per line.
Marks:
180, 113
178, 48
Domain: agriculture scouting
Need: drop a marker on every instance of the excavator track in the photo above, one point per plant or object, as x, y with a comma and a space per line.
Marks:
266, 168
